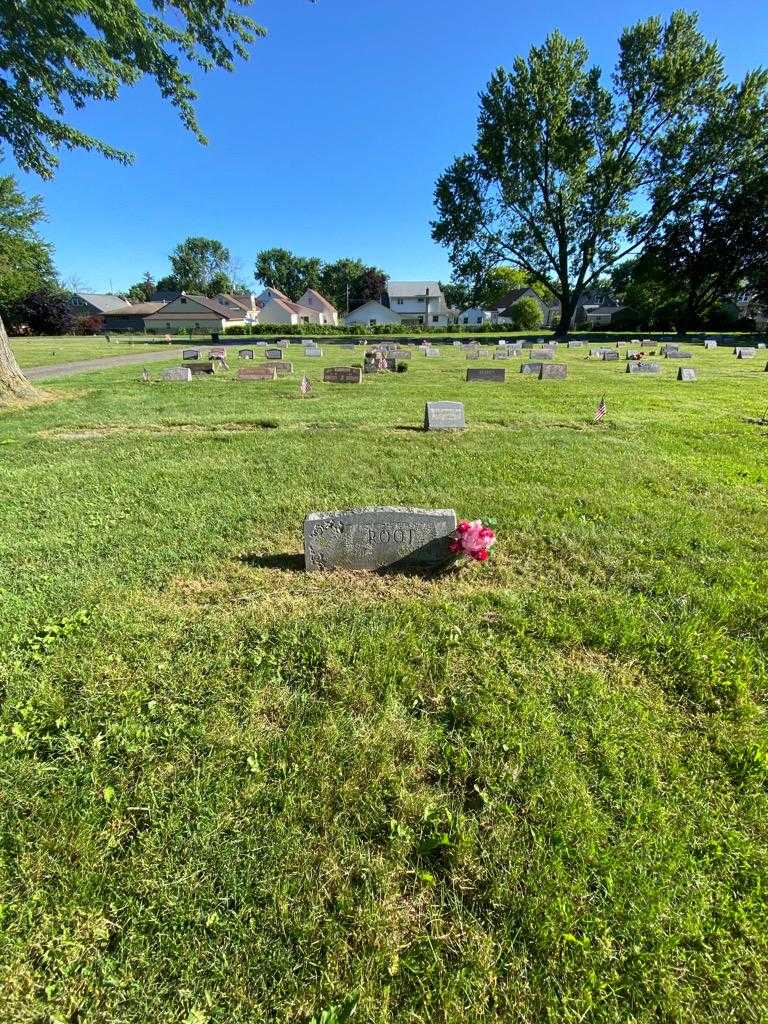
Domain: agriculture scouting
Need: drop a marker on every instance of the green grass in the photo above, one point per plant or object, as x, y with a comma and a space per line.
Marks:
65, 349
536, 791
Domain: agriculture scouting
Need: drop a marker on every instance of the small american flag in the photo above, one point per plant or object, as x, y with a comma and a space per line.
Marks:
601, 410
305, 387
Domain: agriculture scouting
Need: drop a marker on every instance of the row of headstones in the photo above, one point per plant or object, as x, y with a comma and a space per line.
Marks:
263, 372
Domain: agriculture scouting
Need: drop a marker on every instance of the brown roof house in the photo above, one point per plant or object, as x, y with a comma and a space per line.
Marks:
129, 317
195, 313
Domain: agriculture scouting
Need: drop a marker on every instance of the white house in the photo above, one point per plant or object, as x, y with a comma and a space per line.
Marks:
475, 316
371, 314
277, 308
239, 302
420, 302
314, 300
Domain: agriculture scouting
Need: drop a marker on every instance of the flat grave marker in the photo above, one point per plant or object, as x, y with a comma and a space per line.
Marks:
178, 374
444, 416
343, 375
643, 367
487, 375
383, 537
261, 372
553, 371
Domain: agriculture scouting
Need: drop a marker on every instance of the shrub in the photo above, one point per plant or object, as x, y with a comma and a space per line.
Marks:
525, 315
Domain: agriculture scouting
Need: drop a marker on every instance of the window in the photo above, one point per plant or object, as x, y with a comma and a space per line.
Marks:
197, 323
479, 319
167, 323
435, 319
183, 300
421, 298
399, 302
465, 320
372, 322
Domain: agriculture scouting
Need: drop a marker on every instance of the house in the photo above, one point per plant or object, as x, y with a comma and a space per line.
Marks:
195, 313
501, 309
314, 300
418, 302
277, 308
130, 316
596, 314
249, 304
475, 316
93, 304
372, 313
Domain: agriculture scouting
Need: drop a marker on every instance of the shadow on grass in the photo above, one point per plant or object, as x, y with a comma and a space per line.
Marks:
291, 562
285, 561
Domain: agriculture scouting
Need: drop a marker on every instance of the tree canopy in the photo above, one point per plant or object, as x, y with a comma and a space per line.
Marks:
568, 174
199, 265
347, 283
59, 56
25, 259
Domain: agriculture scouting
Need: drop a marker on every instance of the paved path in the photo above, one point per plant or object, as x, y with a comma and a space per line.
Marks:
105, 363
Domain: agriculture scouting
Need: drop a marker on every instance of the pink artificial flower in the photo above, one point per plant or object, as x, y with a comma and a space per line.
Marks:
473, 539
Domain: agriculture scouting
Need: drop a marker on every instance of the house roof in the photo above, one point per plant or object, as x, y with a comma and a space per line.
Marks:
136, 309
379, 305
408, 289
512, 297
104, 303
321, 299
210, 305
241, 300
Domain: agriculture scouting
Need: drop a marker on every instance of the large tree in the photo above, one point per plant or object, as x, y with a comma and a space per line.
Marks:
290, 274
569, 173
200, 265
715, 243
68, 53
348, 283
143, 290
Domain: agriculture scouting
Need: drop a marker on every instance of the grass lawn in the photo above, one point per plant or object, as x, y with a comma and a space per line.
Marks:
534, 791
66, 349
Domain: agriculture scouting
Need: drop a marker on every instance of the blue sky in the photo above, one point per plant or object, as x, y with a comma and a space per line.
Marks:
328, 142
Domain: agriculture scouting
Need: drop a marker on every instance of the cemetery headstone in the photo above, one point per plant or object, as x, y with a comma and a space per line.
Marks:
610, 354
343, 375
402, 353
487, 374
178, 374
686, 373
217, 353
677, 353
313, 351
444, 416
710, 343
503, 353
431, 353
246, 353
282, 369
643, 367
273, 353
553, 371
190, 353
531, 368
474, 354
203, 368
541, 353
746, 353
378, 538
575, 344
260, 372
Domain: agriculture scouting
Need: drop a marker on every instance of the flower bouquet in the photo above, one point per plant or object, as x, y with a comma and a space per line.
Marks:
473, 540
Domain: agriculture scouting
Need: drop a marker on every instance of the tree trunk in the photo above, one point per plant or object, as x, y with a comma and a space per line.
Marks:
13, 383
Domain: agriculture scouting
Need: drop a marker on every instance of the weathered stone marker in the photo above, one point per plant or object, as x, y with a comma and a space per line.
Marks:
273, 353
402, 353
541, 353
710, 343
343, 375
283, 369
257, 373
686, 373
444, 416
178, 374
643, 367
487, 375
217, 353
610, 354
246, 353
207, 368
431, 353
378, 538
503, 353
746, 353
313, 351
553, 371
473, 354
190, 353
575, 344
678, 353
531, 368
